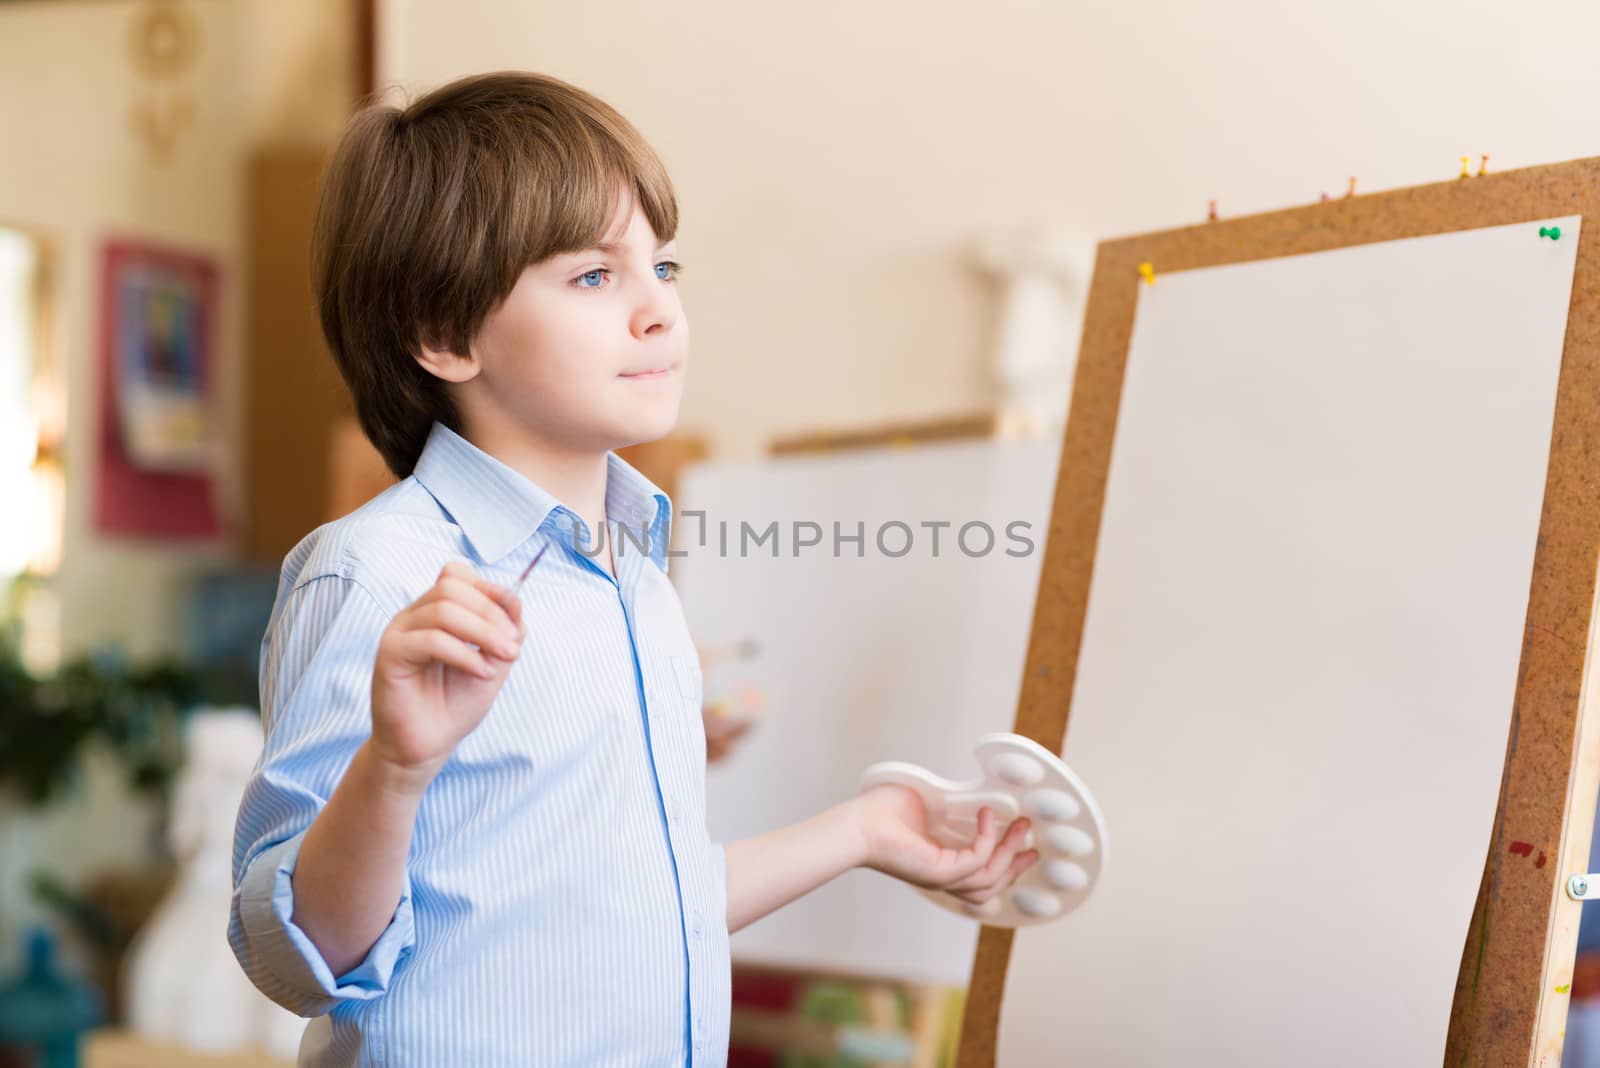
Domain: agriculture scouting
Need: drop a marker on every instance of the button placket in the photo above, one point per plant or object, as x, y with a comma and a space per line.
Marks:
702, 973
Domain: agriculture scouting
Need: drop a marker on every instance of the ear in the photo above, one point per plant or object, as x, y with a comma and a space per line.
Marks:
449, 366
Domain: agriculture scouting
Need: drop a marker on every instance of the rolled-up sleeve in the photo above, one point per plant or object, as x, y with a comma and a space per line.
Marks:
286, 956
316, 680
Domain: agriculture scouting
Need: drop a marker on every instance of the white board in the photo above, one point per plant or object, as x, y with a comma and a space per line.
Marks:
877, 657
1300, 655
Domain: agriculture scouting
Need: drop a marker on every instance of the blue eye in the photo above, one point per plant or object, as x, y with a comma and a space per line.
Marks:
594, 274
673, 268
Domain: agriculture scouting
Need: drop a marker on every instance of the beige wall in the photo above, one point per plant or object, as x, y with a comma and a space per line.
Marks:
75, 172
834, 158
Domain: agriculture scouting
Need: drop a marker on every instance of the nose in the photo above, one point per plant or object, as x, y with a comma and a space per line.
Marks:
657, 311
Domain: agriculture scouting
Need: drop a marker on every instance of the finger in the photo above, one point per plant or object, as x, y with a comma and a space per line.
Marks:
457, 621
504, 599
480, 597
458, 569
461, 571
447, 614
512, 605
1010, 846
1019, 864
1000, 856
987, 828
424, 647
999, 861
976, 855
1023, 862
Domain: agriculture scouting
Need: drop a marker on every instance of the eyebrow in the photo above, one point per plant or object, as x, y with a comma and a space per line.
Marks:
612, 247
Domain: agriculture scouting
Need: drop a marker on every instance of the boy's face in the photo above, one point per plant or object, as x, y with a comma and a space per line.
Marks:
588, 352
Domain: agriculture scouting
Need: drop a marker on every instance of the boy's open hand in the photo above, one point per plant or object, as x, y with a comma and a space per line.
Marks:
440, 663
894, 828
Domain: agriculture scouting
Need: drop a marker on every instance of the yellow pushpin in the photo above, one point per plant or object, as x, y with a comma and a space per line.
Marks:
1352, 190
1466, 166
1147, 271
1483, 168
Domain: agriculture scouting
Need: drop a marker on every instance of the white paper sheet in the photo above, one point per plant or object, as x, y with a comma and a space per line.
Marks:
1300, 655
910, 657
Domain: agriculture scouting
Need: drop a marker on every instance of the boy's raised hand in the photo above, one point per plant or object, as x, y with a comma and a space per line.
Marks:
440, 663
894, 827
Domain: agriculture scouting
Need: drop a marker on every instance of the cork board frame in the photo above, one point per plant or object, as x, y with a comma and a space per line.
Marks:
1510, 1002
963, 427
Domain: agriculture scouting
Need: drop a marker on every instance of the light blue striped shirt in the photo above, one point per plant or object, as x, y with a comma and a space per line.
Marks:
563, 904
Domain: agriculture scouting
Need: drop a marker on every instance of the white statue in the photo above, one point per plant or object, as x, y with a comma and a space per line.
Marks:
182, 984
1046, 274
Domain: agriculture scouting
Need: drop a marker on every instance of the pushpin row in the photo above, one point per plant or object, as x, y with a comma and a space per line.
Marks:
1466, 172
1349, 192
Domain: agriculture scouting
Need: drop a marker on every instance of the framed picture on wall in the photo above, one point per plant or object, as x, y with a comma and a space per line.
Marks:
159, 425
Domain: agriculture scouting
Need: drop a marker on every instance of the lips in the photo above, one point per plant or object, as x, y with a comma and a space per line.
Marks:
648, 372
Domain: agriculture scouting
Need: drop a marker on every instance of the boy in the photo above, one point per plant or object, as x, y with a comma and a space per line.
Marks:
476, 834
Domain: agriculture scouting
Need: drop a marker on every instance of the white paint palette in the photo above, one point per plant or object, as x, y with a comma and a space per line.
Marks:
1020, 778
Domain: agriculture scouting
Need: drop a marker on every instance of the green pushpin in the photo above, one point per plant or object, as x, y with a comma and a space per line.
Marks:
1552, 232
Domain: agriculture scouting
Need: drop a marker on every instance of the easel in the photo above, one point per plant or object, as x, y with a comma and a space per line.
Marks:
1510, 1001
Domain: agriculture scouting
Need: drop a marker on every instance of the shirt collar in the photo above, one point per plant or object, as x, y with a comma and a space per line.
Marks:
498, 508
641, 505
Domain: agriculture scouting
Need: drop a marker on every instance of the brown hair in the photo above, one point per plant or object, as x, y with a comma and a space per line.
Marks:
429, 214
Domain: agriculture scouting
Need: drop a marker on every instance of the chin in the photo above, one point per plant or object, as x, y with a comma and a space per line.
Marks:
647, 428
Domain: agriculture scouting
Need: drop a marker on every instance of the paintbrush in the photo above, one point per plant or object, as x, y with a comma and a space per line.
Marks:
527, 570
